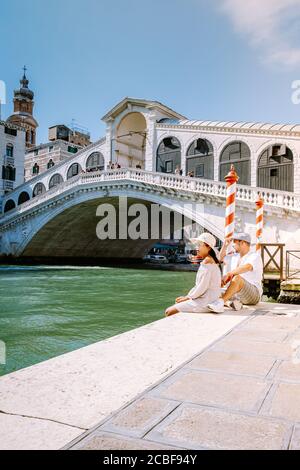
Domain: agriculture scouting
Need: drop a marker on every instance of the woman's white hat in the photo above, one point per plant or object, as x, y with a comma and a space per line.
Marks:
209, 239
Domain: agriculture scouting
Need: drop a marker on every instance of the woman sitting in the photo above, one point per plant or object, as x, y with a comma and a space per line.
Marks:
208, 281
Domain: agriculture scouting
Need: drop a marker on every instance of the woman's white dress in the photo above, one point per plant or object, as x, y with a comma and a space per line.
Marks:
207, 289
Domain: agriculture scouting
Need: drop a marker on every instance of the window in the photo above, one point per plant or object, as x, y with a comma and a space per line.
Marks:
72, 149
36, 152
199, 172
50, 148
8, 173
10, 131
274, 172
35, 169
169, 166
9, 150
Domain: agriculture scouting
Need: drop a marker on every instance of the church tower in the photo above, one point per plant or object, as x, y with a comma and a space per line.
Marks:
23, 109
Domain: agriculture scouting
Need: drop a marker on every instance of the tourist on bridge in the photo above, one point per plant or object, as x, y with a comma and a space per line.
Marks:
208, 280
244, 275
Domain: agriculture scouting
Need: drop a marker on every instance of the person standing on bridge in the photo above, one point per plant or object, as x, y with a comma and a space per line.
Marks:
244, 276
208, 280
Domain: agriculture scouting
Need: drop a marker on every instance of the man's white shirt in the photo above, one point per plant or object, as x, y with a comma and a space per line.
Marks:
254, 258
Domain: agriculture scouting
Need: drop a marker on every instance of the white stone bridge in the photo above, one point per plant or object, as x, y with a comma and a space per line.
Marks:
61, 222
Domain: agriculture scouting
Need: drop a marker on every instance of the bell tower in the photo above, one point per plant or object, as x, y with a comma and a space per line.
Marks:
23, 111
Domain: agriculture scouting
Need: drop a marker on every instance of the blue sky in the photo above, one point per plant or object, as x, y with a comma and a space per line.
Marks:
220, 60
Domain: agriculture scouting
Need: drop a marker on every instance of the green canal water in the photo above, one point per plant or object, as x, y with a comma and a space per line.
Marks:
47, 311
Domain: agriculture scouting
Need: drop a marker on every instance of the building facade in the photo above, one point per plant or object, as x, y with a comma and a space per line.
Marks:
43, 157
74, 136
12, 150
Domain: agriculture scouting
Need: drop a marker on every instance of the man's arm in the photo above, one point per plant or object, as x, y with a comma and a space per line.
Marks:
242, 269
224, 248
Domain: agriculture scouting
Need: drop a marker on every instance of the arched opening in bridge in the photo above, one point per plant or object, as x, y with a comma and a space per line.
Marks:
38, 189
74, 169
238, 154
23, 197
55, 180
130, 142
75, 230
200, 159
9, 205
95, 162
168, 155
275, 168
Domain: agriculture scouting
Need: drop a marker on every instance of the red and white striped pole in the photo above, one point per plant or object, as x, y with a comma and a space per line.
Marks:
231, 181
259, 220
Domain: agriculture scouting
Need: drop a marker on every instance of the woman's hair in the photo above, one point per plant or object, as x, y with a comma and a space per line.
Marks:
213, 255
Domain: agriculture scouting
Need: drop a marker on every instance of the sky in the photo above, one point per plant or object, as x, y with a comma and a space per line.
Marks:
226, 60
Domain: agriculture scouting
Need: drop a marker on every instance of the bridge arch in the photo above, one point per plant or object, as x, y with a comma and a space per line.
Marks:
9, 205
168, 154
55, 180
39, 188
95, 161
23, 197
238, 153
200, 158
275, 167
73, 170
130, 140
79, 210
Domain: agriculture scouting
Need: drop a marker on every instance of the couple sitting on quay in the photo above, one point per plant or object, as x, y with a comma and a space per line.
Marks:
242, 283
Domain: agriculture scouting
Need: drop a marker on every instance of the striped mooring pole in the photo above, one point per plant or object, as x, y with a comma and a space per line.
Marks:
259, 220
231, 181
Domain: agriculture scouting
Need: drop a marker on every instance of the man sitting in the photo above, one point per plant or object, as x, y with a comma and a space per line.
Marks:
244, 276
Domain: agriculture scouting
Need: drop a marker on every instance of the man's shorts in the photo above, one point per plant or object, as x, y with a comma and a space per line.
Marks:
249, 294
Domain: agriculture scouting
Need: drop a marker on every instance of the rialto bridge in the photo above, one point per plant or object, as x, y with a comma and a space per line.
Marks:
54, 213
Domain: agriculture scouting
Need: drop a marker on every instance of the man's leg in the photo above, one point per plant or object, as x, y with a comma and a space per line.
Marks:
234, 287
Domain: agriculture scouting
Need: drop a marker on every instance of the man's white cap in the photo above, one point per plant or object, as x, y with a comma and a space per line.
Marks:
209, 239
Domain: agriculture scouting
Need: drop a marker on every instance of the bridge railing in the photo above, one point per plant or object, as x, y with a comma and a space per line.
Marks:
271, 197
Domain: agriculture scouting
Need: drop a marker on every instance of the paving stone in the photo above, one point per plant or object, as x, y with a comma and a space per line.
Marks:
24, 433
210, 388
295, 442
275, 321
286, 402
275, 350
198, 427
258, 334
139, 417
233, 362
288, 371
106, 441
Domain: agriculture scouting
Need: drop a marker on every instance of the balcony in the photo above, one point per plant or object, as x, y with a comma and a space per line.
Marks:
7, 185
9, 160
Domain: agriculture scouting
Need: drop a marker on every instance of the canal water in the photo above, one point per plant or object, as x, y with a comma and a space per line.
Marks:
46, 311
